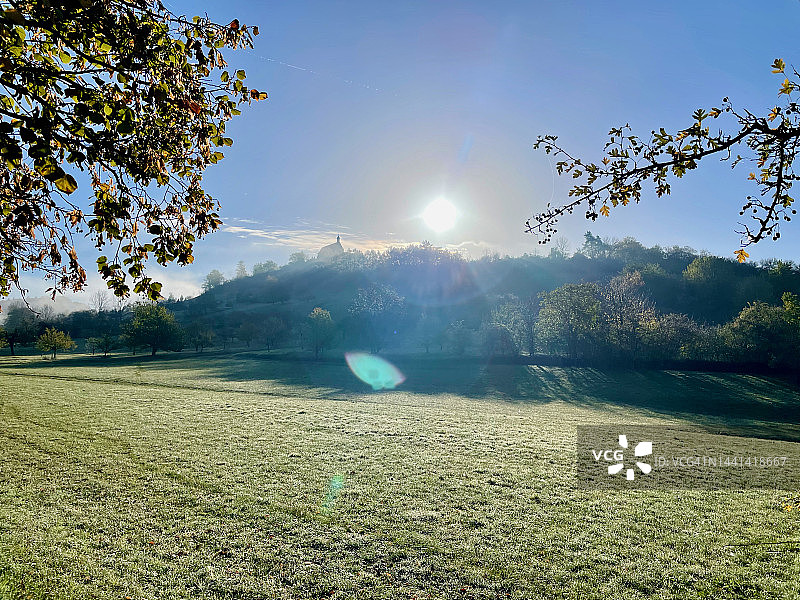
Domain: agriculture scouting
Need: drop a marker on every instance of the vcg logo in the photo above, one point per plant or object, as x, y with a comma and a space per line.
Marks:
617, 457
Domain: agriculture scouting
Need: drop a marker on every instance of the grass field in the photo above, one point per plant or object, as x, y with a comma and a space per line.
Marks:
248, 477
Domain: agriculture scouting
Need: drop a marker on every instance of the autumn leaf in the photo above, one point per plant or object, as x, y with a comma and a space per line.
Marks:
741, 255
66, 184
604, 210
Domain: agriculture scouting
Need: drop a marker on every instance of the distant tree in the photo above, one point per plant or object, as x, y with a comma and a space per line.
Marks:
105, 343
560, 249
99, 301
594, 247
129, 341
91, 345
568, 319
378, 312
272, 331
297, 258
200, 336
429, 331
764, 333
321, 329
624, 314
53, 340
519, 317
213, 279
246, 332
670, 337
497, 339
458, 337
241, 270
154, 327
21, 327
265, 267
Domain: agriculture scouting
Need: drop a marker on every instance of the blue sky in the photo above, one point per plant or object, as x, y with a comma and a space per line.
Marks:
377, 108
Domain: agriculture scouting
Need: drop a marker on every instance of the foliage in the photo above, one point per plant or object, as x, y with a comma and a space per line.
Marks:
122, 90
246, 332
568, 319
21, 326
53, 340
154, 327
519, 317
497, 339
200, 336
272, 331
624, 313
378, 312
241, 270
770, 142
265, 267
104, 343
212, 280
670, 337
458, 337
766, 334
321, 328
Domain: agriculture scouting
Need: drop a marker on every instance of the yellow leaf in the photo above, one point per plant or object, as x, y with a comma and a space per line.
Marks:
66, 184
604, 210
741, 255
773, 113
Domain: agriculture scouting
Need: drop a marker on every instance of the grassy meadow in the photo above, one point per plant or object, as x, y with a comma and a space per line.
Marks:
249, 476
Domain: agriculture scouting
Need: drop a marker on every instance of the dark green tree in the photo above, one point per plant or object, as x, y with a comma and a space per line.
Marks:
321, 330
272, 331
569, 320
154, 327
105, 343
21, 327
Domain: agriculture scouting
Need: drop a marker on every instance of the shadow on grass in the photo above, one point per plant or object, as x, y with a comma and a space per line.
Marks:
725, 402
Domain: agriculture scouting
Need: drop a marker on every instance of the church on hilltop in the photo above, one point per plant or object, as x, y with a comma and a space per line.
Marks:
331, 251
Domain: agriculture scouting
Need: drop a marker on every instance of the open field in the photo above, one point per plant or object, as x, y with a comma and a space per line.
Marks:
246, 477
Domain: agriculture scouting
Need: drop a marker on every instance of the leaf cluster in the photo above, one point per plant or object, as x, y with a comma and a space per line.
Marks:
137, 98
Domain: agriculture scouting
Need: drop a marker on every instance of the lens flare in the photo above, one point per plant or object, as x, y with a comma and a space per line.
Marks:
334, 488
374, 371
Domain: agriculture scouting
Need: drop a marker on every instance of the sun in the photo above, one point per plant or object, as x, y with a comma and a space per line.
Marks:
440, 215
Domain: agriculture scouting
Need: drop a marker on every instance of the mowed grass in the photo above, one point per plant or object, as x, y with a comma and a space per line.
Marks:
247, 477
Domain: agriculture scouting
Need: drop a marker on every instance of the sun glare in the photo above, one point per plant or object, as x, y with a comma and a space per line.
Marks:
440, 215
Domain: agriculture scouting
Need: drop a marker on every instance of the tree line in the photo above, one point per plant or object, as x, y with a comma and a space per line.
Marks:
610, 302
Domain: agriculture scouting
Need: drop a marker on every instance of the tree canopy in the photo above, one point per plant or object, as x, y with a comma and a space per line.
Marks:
155, 327
771, 142
121, 90
53, 340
